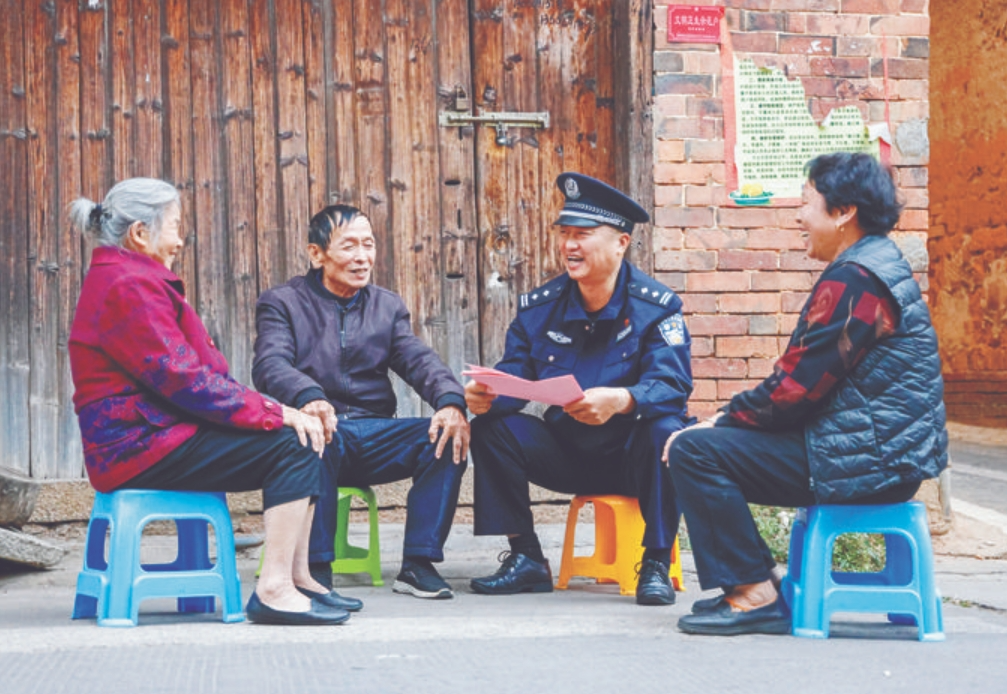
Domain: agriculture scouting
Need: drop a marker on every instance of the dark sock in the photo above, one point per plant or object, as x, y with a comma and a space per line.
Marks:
661, 555
527, 545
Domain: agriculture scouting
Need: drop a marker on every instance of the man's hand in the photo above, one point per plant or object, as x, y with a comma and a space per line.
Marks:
599, 405
307, 428
478, 398
326, 414
450, 423
705, 424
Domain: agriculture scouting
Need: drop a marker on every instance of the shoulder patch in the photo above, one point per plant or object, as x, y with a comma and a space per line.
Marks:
673, 330
655, 294
549, 291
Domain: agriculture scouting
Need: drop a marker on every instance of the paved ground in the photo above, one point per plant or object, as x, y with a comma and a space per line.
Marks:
587, 639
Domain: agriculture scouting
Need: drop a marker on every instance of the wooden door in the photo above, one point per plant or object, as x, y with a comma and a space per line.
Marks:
554, 56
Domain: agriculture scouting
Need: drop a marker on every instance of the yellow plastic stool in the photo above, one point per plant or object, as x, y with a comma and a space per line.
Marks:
618, 534
351, 559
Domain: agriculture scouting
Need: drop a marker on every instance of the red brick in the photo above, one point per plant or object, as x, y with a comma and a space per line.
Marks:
702, 346
901, 68
702, 63
799, 260
786, 218
665, 239
902, 25
671, 83
685, 261
670, 105
760, 368
754, 42
699, 173
704, 389
797, 23
914, 6
808, 45
672, 280
779, 281
679, 128
775, 239
718, 282
912, 89
667, 195
916, 198
763, 21
714, 239
764, 325
746, 217
697, 303
717, 325
870, 7
750, 346
841, 67
807, 5
915, 47
728, 389
838, 24
670, 151
684, 216
914, 219
699, 107
719, 368
704, 150
792, 65
793, 302
750, 4
913, 176
857, 45
700, 196
748, 303
788, 324
748, 260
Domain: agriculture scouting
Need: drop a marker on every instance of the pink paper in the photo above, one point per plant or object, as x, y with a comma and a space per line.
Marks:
561, 390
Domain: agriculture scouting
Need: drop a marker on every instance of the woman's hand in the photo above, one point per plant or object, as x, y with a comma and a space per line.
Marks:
478, 398
705, 424
307, 427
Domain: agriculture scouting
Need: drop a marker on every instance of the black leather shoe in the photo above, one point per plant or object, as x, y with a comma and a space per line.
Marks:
724, 621
517, 574
707, 604
334, 599
653, 587
318, 615
321, 571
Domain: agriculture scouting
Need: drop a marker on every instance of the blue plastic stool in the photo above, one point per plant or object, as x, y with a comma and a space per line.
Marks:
904, 589
112, 590
351, 559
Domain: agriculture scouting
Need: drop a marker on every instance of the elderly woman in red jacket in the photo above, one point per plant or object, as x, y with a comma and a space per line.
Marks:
158, 410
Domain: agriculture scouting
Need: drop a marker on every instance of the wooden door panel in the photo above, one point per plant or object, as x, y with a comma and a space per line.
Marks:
541, 55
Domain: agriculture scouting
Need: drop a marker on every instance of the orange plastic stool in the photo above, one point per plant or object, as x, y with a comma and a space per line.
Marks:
618, 533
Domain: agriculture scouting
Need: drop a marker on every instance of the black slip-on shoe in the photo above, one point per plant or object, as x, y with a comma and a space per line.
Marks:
653, 586
707, 604
724, 621
518, 573
420, 579
318, 615
321, 571
334, 599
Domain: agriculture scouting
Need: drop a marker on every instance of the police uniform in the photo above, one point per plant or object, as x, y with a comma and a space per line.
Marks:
638, 341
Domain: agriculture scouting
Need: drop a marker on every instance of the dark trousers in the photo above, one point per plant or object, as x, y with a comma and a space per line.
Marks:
509, 451
366, 452
718, 472
233, 460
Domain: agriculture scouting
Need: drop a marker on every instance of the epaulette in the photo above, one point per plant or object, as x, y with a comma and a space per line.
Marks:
653, 292
549, 291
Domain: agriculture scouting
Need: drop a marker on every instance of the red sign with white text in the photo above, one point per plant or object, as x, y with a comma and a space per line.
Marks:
694, 24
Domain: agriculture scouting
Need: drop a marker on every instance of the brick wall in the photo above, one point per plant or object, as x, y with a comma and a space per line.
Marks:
742, 272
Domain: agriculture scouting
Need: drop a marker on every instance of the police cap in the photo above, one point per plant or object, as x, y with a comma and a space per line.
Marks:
591, 203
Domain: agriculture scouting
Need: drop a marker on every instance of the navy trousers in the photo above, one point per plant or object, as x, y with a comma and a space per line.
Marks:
367, 452
509, 451
718, 471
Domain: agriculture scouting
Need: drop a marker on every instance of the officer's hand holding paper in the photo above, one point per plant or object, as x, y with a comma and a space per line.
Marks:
560, 391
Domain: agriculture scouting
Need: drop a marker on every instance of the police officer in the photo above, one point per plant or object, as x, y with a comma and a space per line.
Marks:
621, 334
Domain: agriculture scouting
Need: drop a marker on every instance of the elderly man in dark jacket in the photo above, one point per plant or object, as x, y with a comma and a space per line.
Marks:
325, 344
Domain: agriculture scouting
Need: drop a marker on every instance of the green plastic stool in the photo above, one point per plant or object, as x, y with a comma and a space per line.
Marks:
351, 559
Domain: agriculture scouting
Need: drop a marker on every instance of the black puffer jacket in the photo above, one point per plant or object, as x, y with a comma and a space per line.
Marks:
309, 347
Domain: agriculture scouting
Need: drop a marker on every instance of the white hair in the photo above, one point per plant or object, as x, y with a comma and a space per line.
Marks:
133, 200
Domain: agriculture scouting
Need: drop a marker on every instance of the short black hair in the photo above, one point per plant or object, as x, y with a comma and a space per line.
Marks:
328, 220
859, 180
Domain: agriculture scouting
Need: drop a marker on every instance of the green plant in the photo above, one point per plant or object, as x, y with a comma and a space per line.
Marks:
854, 552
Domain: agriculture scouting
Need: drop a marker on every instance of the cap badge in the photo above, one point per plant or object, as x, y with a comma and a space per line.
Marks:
571, 188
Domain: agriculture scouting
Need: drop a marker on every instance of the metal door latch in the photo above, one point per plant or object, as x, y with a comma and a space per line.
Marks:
501, 120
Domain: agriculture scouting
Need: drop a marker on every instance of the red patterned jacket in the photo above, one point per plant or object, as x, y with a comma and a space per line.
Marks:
146, 372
